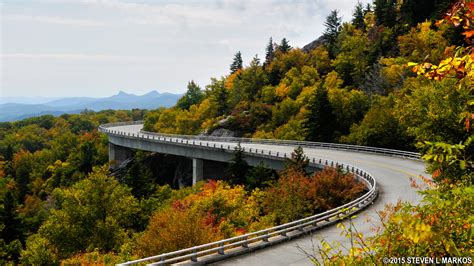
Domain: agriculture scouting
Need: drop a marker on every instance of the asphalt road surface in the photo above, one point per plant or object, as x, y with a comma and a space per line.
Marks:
393, 177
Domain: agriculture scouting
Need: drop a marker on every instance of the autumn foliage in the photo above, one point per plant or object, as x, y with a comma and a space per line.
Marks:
219, 210
173, 229
442, 225
296, 195
392, 78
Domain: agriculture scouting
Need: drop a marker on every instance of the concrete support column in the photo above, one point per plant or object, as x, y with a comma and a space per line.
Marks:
118, 154
198, 170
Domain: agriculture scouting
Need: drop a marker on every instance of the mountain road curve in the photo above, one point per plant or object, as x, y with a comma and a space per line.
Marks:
393, 175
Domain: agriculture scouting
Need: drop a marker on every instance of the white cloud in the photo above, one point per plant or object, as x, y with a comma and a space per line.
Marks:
162, 13
56, 20
140, 44
79, 57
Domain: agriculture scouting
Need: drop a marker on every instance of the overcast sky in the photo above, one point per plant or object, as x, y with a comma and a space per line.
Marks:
96, 48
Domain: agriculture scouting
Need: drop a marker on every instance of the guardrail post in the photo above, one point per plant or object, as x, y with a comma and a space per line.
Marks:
194, 257
277, 153
245, 244
221, 250
301, 229
265, 239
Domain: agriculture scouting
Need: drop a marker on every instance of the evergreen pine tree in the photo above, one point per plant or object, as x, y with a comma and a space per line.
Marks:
284, 46
333, 26
238, 167
385, 12
220, 97
9, 219
319, 121
139, 177
259, 176
193, 95
379, 6
269, 53
413, 12
236, 63
391, 13
358, 17
298, 161
368, 8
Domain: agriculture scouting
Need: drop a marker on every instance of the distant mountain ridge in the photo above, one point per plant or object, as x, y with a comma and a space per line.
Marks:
122, 100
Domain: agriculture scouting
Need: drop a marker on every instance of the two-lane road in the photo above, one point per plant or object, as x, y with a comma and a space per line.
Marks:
393, 178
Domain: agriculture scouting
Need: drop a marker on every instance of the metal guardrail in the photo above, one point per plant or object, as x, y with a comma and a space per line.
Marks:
262, 237
325, 145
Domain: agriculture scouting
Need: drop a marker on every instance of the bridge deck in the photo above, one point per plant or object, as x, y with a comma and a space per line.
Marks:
393, 178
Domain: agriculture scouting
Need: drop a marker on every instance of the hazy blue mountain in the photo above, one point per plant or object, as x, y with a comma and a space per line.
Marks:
27, 100
17, 111
122, 100
70, 101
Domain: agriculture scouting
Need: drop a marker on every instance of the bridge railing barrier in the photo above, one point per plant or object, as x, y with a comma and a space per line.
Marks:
266, 236
326, 145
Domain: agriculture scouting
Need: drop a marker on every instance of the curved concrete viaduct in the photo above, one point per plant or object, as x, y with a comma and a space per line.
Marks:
392, 174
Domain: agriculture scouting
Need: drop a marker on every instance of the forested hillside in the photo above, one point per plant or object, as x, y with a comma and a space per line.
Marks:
398, 74
353, 86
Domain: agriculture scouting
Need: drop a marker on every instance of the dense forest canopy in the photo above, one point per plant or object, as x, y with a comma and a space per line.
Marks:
398, 74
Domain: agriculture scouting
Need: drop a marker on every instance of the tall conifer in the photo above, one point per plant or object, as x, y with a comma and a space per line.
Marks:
236, 63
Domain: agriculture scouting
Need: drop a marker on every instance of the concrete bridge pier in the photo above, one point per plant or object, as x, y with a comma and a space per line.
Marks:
118, 154
198, 170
